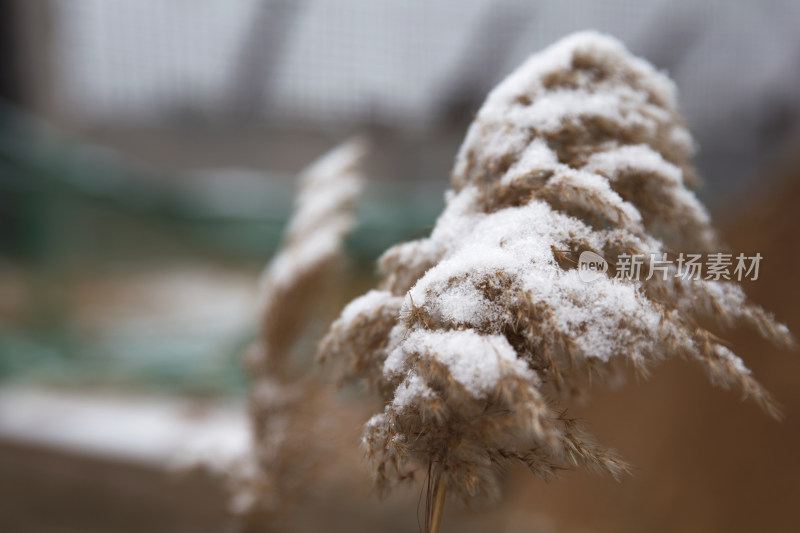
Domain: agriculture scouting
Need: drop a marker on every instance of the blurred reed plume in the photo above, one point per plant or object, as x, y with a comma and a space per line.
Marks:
481, 332
295, 423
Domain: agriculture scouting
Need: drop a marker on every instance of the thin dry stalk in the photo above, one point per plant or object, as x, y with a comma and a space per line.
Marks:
439, 491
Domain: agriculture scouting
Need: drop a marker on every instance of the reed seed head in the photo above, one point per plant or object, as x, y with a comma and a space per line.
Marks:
482, 330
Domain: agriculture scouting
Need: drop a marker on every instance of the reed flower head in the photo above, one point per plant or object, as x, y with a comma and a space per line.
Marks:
482, 330
292, 444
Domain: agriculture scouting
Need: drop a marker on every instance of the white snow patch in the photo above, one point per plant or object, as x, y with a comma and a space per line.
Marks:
475, 361
410, 390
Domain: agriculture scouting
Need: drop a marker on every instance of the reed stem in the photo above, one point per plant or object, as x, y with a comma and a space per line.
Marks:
440, 490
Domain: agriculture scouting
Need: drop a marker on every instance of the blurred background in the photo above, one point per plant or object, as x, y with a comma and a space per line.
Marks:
148, 154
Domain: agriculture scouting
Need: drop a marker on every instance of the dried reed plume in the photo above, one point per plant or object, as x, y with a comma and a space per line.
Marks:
289, 455
479, 332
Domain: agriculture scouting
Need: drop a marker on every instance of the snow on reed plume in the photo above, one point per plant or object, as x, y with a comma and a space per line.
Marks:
479, 332
291, 440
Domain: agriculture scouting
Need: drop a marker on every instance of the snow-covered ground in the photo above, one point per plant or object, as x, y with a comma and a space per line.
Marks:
154, 431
